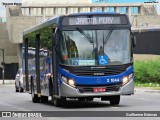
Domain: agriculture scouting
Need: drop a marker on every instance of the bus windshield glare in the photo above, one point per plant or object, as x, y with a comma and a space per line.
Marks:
95, 47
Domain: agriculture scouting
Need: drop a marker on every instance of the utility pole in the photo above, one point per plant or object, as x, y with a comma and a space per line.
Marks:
2, 64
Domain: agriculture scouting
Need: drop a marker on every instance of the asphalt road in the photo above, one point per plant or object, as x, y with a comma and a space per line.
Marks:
140, 101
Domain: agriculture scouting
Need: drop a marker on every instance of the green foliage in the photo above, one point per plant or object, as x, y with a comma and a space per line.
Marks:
137, 84
45, 38
147, 71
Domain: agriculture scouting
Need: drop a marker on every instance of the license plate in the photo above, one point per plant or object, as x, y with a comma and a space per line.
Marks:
99, 89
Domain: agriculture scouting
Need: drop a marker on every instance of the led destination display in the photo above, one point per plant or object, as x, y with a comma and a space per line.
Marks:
94, 20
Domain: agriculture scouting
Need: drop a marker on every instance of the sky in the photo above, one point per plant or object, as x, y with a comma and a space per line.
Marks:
3, 14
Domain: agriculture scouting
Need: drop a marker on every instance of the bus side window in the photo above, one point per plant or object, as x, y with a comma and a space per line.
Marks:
45, 51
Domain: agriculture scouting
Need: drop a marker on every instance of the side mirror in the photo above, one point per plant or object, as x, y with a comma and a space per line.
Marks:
18, 75
133, 40
54, 36
54, 39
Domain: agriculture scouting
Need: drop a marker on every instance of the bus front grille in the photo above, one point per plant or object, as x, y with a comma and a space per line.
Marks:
109, 88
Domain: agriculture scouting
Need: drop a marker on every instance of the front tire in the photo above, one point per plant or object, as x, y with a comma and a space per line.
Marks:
58, 102
44, 99
16, 88
114, 100
35, 98
81, 99
89, 99
20, 88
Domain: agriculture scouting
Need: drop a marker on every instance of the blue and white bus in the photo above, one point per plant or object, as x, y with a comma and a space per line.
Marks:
81, 56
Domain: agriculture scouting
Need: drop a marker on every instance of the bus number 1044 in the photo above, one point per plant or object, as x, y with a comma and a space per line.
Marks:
113, 80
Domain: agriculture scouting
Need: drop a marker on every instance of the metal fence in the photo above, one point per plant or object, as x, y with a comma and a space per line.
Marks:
148, 42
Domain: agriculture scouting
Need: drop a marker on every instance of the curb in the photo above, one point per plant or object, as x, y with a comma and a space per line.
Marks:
146, 90
7, 82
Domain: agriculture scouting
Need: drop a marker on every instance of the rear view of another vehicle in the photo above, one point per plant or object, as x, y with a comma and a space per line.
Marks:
19, 81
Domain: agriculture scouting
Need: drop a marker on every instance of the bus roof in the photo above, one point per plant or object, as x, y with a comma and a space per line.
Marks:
41, 25
55, 18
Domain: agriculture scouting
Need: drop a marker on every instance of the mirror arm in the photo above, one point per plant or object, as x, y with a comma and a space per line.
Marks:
54, 36
133, 39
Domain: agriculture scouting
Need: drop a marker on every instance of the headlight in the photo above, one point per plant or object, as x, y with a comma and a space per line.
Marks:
69, 81
126, 79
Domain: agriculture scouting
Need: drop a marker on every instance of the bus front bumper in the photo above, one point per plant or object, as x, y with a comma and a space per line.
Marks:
68, 91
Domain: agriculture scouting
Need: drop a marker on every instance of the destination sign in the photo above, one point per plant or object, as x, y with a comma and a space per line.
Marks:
94, 20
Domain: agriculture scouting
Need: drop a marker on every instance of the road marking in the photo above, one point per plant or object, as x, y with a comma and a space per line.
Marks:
115, 107
143, 99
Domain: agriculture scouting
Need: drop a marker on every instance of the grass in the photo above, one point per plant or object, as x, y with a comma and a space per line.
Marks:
153, 86
156, 88
147, 73
147, 84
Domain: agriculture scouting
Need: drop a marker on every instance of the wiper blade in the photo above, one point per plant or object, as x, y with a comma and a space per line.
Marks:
108, 36
87, 36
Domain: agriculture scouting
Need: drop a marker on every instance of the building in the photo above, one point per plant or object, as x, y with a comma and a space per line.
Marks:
123, 1
10, 52
48, 10
134, 10
40, 2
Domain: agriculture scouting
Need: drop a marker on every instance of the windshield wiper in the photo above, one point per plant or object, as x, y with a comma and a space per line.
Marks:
108, 36
87, 36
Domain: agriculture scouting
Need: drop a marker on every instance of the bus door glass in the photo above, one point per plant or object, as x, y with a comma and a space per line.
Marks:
45, 52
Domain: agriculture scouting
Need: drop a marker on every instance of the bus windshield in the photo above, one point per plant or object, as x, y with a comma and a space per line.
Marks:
95, 47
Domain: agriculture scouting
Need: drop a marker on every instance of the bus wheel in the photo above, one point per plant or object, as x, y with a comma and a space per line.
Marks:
114, 100
16, 88
44, 99
89, 99
56, 102
35, 98
81, 99
20, 88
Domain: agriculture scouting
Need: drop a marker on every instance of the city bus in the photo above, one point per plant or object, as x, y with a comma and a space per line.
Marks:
79, 56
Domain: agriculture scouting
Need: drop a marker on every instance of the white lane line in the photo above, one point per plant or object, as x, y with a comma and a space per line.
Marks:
115, 107
143, 99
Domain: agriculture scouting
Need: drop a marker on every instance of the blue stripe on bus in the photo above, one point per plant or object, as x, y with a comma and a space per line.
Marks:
95, 80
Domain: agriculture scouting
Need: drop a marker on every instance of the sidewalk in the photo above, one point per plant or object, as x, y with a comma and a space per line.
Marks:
7, 81
146, 89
